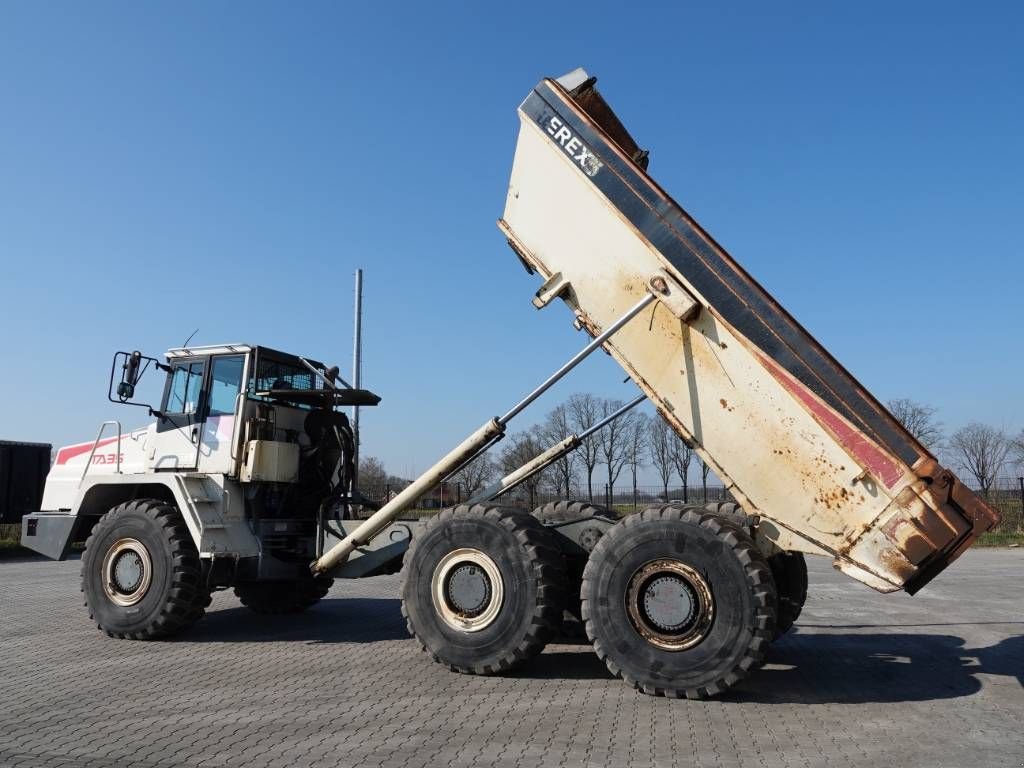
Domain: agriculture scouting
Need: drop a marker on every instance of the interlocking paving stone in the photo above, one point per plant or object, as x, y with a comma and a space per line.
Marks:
864, 679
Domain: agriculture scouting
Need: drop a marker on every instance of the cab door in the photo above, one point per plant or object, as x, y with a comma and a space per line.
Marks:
179, 428
218, 445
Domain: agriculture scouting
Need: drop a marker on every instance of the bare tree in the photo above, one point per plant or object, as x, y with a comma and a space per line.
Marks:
519, 449
704, 470
583, 414
659, 448
1018, 448
682, 455
555, 428
981, 451
919, 420
613, 441
637, 429
372, 476
474, 476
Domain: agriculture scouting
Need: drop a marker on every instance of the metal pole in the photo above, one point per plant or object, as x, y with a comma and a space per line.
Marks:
545, 459
578, 358
458, 458
404, 500
612, 417
480, 452
357, 369
322, 377
560, 373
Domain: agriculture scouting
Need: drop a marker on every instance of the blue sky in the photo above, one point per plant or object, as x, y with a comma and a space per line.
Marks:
228, 166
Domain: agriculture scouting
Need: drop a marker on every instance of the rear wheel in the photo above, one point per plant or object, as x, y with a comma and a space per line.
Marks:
732, 511
788, 568
565, 511
483, 588
282, 597
790, 572
141, 575
678, 602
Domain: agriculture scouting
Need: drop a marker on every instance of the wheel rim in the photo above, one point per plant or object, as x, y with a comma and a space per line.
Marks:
670, 604
127, 572
467, 589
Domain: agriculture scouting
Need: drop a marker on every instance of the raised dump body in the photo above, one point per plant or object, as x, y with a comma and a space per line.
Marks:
795, 438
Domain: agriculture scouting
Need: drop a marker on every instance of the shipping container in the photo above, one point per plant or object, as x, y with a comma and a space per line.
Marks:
23, 470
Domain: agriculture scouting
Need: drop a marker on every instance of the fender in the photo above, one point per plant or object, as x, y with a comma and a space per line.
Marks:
211, 506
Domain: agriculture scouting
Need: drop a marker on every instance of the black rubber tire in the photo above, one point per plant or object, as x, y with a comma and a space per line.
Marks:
200, 604
788, 568
741, 586
176, 597
790, 572
730, 510
528, 560
561, 512
567, 509
277, 598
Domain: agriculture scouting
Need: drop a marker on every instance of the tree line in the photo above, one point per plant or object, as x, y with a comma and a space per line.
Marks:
621, 449
981, 451
636, 440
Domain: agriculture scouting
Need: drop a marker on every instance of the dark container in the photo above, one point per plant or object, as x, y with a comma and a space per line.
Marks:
23, 469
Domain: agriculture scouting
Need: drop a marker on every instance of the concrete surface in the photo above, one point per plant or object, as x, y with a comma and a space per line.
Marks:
864, 679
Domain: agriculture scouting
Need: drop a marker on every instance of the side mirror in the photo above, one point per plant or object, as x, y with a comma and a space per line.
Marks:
132, 369
129, 376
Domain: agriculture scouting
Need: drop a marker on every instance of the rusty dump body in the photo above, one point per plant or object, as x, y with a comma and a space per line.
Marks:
795, 438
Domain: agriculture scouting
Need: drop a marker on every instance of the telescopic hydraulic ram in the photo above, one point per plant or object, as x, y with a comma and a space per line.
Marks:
469, 449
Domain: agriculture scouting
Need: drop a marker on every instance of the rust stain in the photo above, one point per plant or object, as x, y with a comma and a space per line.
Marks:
893, 561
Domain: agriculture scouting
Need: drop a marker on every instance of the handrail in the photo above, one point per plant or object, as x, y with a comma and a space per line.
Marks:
240, 399
95, 445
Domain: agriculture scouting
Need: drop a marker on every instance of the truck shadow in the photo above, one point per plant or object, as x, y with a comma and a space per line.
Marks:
877, 668
347, 620
808, 668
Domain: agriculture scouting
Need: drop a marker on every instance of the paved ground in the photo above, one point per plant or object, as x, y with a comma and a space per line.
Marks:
934, 680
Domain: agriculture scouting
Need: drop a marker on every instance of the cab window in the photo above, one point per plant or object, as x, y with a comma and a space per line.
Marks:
225, 384
186, 385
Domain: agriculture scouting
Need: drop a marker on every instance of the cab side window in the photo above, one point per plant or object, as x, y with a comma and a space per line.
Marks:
225, 384
185, 388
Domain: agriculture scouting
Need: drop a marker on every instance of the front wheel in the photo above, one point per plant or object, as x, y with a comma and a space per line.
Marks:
141, 575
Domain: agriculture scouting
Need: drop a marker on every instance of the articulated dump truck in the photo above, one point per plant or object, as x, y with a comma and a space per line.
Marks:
245, 478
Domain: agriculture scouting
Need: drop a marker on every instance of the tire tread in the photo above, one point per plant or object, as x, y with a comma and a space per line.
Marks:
187, 598
759, 578
546, 562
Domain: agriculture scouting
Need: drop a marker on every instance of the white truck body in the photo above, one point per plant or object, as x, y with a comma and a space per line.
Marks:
794, 437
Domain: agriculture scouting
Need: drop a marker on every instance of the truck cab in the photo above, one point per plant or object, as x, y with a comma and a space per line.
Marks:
246, 444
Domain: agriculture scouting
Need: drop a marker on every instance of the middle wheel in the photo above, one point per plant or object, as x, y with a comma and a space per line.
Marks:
483, 588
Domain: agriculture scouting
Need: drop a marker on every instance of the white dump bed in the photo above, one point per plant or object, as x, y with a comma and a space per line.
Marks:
791, 433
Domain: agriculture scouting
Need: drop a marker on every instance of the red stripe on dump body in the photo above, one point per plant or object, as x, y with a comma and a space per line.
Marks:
860, 447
